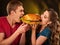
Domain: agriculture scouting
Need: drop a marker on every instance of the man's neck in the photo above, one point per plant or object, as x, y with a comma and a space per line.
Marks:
10, 20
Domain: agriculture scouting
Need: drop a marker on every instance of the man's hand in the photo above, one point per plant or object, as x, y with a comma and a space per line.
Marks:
23, 28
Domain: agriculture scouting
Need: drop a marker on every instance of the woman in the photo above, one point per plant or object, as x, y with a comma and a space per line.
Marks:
49, 32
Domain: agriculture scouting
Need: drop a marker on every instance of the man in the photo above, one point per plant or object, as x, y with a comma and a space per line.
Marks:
11, 27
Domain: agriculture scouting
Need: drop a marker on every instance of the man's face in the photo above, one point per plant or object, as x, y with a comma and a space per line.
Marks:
18, 13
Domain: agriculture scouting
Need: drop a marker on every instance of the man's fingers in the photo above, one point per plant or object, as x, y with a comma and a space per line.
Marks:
23, 24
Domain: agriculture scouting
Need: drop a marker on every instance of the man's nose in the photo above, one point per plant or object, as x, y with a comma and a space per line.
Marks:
41, 16
23, 13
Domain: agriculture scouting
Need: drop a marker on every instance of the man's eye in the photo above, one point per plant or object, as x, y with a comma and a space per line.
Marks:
21, 10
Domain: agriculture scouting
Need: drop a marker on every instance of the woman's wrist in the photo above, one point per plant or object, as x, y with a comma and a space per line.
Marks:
33, 30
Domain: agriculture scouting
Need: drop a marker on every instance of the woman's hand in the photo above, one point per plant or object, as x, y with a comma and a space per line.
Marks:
33, 36
33, 26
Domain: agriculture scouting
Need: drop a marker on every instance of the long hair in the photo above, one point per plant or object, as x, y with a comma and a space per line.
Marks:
54, 26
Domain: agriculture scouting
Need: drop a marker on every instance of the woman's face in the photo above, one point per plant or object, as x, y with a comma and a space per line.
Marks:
45, 18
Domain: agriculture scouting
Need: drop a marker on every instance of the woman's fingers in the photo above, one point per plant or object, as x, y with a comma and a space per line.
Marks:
34, 26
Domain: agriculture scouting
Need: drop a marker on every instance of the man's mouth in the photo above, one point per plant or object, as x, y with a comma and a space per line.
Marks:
21, 16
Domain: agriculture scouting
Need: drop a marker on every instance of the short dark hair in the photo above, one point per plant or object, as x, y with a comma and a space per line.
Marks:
12, 5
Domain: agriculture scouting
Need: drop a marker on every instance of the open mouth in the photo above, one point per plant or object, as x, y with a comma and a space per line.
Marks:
20, 17
40, 20
31, 19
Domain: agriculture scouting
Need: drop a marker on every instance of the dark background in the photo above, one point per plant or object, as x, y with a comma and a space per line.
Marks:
42, 4
32, 6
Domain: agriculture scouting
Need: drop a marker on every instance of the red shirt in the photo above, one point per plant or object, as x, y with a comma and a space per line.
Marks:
8, 30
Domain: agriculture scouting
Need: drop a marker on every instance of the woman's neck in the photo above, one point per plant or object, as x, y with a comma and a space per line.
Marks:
42, 28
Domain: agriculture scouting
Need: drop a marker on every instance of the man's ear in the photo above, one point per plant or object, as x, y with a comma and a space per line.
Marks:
12, 12
49, 22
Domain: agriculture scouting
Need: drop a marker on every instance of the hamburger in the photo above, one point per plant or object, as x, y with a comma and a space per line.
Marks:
31, 19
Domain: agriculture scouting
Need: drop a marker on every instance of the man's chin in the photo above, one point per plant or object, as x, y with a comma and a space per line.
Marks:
18, 21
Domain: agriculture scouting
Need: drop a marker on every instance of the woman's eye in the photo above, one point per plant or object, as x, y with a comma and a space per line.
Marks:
45, 17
